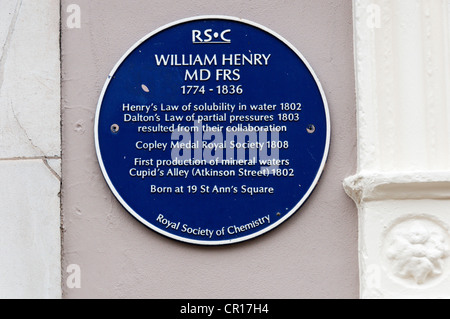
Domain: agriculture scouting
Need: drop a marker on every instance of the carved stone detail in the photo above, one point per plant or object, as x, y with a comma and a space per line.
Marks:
416, 249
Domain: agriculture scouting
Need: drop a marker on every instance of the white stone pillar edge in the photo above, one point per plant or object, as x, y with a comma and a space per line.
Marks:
30, 149
402, 186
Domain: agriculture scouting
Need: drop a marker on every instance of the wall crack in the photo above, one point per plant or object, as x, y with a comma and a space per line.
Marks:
5, 49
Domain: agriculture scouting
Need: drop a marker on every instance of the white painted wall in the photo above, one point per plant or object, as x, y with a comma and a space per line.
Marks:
30, 152
402, 187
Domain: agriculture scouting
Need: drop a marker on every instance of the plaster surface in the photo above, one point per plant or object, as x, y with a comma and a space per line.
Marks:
30, 237
29, 79
406, 249
312, 255
30, 147
402, 185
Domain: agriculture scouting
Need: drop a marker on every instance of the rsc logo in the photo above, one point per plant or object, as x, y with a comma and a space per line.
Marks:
210, 37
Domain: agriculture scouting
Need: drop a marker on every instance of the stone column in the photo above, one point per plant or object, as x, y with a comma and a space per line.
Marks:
402, 187
30, 159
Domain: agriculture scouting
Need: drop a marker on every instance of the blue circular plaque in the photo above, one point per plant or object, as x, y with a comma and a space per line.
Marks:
212, 130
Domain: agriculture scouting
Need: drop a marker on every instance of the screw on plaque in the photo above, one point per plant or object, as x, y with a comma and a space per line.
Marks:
115, 128
311, 129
